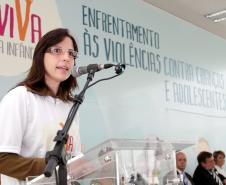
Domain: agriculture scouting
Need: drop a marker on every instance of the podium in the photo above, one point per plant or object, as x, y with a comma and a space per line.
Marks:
123, 162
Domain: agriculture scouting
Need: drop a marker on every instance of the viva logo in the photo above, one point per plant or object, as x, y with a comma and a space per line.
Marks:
9, 14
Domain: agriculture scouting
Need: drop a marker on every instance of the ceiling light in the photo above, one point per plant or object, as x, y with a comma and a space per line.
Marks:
220, 19
215, 14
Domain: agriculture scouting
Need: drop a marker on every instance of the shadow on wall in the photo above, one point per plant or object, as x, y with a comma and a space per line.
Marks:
202, 145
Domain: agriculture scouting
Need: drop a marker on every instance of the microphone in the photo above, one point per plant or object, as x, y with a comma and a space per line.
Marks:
119, 68
78, 71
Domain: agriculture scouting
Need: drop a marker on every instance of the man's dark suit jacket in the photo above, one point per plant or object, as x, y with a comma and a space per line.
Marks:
203, 177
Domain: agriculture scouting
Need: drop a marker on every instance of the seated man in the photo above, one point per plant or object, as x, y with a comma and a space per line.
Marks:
205, 173
181, 162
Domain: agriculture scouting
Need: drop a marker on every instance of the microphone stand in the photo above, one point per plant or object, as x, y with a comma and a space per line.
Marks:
58, 155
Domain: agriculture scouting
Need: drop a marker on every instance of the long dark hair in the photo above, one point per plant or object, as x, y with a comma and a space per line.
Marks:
35, 80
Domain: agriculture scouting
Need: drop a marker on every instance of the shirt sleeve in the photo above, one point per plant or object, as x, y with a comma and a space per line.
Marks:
20, 167
13, 120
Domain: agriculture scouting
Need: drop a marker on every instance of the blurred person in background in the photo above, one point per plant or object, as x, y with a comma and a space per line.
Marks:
219, 159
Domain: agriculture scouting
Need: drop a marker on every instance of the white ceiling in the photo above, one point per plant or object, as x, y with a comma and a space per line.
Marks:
193, 11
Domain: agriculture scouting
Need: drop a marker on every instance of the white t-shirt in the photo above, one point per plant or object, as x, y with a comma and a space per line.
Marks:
29, 123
